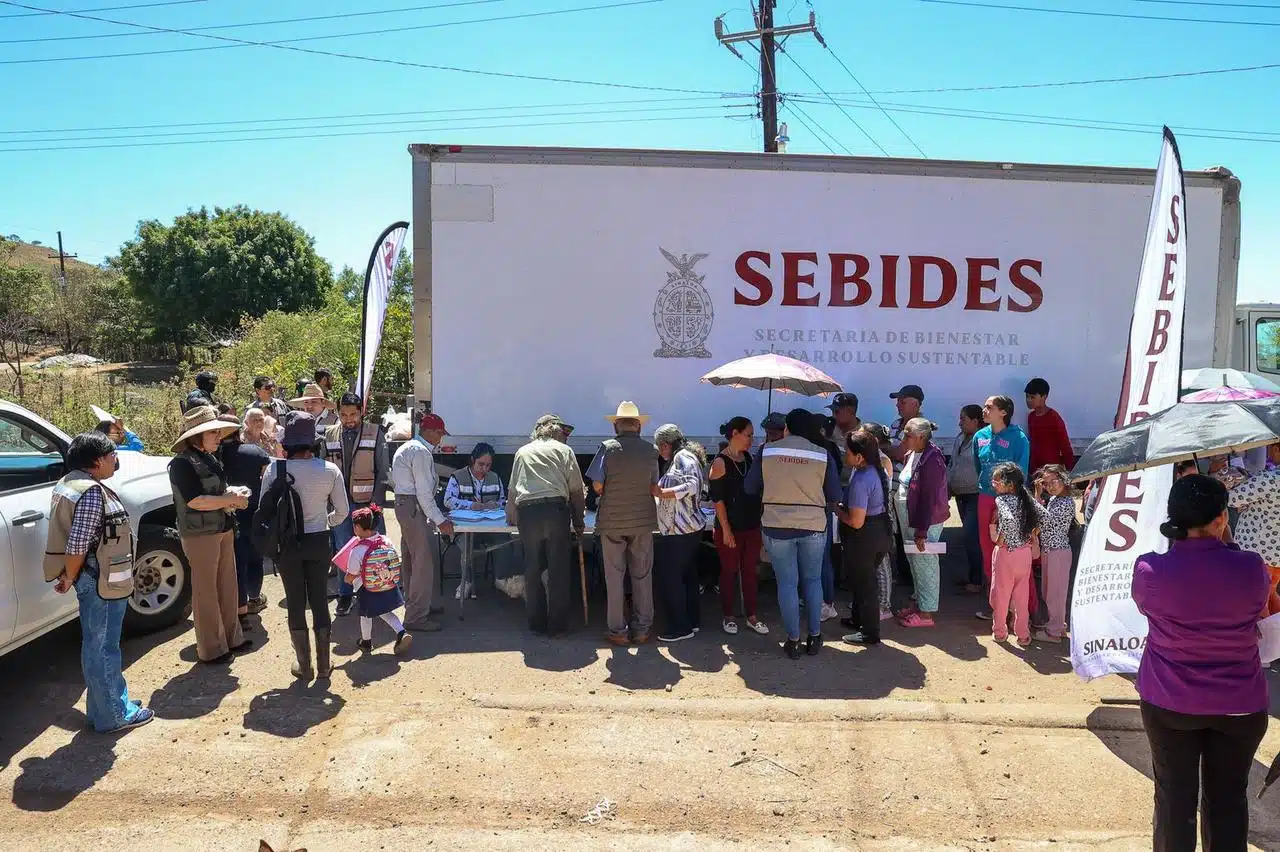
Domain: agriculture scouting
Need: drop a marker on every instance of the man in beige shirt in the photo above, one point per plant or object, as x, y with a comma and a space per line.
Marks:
546, 495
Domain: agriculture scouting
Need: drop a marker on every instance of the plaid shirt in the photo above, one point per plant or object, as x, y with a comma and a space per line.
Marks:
86, 524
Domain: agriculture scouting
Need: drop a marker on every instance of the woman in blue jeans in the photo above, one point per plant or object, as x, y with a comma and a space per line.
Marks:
90, 549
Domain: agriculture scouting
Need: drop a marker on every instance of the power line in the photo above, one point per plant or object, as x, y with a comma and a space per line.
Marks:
1057, 84
341, 116
106, 8
313, 18
610, 120
814, 127
365, 123
886, 113
400, 63
1091, 14
1058, 121
1213, 3
852, 120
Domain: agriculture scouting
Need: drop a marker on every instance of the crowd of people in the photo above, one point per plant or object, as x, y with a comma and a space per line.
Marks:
828, 498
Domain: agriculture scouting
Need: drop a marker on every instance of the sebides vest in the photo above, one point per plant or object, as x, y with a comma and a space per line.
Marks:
627, 506
114, 553
794, 471
193, 521
359, 471
487, 491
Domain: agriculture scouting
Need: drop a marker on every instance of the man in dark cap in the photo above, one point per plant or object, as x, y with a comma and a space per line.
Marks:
206, 384
774, 425
910, 399
844, 409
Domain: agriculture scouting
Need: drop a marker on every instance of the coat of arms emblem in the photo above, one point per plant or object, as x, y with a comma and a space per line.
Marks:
683, 313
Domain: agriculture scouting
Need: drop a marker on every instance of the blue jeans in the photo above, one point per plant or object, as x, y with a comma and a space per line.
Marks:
967, 504
341, 534
248, 560
828, 569
106, 699
797, 562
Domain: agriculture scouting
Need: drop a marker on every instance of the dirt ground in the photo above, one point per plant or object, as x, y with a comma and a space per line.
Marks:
486, 737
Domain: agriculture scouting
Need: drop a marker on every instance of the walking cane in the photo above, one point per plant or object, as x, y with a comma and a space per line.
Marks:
582, 576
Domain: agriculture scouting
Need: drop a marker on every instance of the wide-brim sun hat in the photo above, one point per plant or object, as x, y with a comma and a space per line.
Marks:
203, 419
627, 410
309, 393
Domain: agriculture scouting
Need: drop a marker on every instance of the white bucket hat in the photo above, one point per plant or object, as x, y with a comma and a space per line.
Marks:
311, 391
627, 410
200, 420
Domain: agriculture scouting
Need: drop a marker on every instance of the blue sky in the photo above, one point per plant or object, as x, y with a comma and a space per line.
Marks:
345, 188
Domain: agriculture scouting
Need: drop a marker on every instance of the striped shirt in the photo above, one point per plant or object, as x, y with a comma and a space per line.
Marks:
682, 515
320, 488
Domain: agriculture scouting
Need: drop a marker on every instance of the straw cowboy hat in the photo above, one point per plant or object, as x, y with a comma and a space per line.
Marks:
203, 419
627, 410
311, 391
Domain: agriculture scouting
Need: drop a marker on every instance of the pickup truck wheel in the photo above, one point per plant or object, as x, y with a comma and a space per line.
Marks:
161, 582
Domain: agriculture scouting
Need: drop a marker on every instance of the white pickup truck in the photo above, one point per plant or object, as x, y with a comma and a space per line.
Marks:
31, 463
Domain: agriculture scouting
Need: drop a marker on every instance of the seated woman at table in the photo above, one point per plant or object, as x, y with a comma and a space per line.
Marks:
476, 486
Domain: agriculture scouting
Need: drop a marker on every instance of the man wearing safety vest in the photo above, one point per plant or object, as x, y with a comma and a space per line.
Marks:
90, 549
360, 451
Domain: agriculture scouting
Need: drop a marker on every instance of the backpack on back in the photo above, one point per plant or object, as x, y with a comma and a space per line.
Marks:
277, 525
380, 569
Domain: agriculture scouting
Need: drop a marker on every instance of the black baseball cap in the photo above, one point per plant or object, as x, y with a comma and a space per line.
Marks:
909, 392
843, 399
774, 420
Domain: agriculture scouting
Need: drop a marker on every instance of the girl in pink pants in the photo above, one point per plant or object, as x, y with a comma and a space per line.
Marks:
1055, 548
1012, 529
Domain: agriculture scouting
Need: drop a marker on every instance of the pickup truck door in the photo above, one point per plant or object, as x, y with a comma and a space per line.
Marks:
1264, 330
30, 465
8, 597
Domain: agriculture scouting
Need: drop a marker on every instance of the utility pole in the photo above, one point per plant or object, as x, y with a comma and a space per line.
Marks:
768, 35
62, 261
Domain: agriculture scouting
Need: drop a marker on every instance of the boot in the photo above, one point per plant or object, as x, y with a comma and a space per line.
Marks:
323, 668
302, 650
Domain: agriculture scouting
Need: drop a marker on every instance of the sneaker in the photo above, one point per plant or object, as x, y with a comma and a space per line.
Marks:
403, 641
365, 646
674, 637
344, 605
640, 638
758, 626
792, 648
828, 612
885, 615
730, 627
140, 718
857, 637
983, 615
619, 639
1045, 636
813, 645
470, 592
257, 605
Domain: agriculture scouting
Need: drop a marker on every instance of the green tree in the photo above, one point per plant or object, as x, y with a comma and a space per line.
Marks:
24, 296
81, 310
393, 369
351, 285
211, 270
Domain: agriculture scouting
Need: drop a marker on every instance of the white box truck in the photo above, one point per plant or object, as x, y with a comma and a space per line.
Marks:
566, 280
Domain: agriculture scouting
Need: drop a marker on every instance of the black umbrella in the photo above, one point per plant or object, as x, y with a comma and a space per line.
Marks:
1187, 430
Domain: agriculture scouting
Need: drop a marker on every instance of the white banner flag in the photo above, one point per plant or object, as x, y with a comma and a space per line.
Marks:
377, 292
1108, 633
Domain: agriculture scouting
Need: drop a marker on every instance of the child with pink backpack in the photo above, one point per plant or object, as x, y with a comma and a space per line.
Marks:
372, 565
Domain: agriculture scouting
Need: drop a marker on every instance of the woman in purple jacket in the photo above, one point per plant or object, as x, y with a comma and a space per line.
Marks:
1204, 694
923, 505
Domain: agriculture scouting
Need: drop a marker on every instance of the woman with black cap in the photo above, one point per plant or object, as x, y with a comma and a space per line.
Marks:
304, 568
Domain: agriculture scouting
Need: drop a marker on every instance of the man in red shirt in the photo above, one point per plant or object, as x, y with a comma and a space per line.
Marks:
1050, 443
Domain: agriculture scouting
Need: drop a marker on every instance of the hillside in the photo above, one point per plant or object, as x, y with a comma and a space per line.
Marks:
27, 253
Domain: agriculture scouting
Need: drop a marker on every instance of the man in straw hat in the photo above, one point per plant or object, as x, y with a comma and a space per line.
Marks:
624, 473
414, 477
316, 402
546, 496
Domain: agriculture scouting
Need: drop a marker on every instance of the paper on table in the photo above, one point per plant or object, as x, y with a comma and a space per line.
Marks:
1269, 638
472, 515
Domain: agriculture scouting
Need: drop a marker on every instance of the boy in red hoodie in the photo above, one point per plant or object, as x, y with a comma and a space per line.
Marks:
1046, 430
